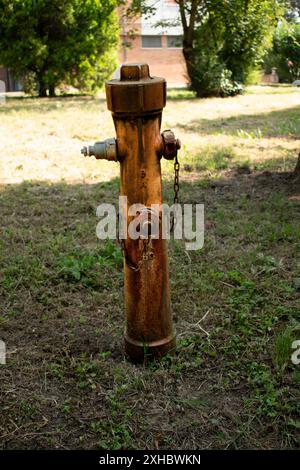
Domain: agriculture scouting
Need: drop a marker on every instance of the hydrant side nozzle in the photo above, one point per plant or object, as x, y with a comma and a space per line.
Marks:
106, 150
170, 145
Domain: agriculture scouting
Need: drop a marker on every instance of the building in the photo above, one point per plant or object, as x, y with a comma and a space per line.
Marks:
142, 40
10, 84
5, 80
270, 77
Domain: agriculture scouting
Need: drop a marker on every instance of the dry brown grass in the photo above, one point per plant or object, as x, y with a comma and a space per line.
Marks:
41, 139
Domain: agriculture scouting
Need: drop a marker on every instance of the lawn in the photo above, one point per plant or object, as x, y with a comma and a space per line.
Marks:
231, 383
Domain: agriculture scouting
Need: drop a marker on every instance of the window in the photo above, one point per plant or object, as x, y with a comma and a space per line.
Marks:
174, 41
151, 41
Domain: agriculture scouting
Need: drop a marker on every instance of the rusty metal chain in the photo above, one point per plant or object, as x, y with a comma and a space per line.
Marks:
171, 145
176, 190
146, 252
145, 255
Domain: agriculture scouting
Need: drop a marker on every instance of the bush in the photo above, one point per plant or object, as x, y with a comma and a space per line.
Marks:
285, 54
29, 83
52, 42
229, 43
209, 77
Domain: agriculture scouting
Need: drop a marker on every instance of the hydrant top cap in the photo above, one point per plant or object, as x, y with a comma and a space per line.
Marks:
136, 92
134, 72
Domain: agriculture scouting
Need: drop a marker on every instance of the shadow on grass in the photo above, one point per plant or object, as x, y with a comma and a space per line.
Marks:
283, 123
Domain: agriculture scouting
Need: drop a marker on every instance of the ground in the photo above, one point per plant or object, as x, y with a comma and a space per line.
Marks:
231, 382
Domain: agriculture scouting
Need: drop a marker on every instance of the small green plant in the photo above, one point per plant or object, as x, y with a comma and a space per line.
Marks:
84, 267
115, 437
88, 373
56, 370
255, 134
27, 408
266, 390
282, 346
282, 352
66, 407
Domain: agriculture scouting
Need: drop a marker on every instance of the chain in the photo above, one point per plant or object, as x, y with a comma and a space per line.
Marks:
176, 190
146, 253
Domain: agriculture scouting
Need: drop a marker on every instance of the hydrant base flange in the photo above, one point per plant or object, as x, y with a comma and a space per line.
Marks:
138, 351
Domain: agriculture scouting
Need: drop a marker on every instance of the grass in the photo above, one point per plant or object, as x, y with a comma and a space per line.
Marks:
231, 383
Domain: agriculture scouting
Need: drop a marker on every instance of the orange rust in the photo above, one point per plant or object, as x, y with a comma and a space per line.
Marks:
136, 102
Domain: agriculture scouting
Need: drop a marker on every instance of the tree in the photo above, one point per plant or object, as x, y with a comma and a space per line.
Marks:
234, 32
70, 41
297, 167
285, 54
287, 49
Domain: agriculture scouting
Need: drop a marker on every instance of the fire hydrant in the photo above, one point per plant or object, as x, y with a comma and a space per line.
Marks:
136, 102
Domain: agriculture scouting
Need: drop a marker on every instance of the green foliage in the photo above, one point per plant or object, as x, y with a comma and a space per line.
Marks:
283, 344
215, 81
285, 55
267, 396
223, 40
58, 42
209, 76
85, 267
229, 42
248, 27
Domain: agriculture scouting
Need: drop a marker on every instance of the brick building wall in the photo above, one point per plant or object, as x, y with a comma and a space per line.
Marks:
164, 62
161, 47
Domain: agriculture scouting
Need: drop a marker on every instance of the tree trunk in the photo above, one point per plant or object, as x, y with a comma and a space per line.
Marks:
297, 167
42, 88
188, 20
190, 59
188, 54
52, 90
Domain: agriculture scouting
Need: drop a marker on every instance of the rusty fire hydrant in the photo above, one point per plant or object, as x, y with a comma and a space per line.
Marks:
136, 102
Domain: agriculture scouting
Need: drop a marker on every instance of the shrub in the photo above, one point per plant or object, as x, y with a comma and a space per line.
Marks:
285, 54
210, 77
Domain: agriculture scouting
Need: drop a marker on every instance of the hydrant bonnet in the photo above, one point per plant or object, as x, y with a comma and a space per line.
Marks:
136, 92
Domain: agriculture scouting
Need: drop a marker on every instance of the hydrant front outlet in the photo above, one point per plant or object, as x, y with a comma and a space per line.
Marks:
136, 102
106, 150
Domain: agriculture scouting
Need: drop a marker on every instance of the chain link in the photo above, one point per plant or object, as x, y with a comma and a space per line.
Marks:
145, 255
146, 252
176, 190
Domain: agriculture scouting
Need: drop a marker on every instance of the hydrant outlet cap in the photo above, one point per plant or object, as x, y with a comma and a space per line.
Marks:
136, 92
134, 72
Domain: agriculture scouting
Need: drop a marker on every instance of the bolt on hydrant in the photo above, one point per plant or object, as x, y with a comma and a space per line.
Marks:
136, 102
